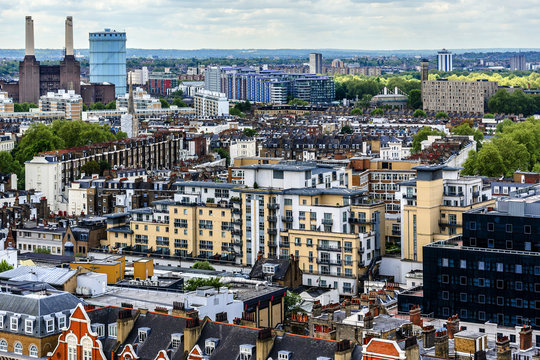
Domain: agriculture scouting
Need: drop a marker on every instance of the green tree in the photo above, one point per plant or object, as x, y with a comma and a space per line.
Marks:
470, 165
292, 304
356, 111
103, 165
90, 168
4, 266
422, 135
489, 116
42, 251
244, 107
249, 132
164, 103
111, 105
415, 99
298, 102
177, 94
202, 265
419, 113
97, 106
441, 115
346, 130
179, 102
193, 284
224, 155
489, 161
377, 112
23, 107
236, 112
465, 129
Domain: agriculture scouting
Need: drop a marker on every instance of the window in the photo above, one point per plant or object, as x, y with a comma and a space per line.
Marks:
3, 345
491, 227
445, 262
143, 334
14, 324
176, 340
445, 279
17, 349
112, 330
99, 329
71, 347
481, 299
472, 225
519, 269
445, 295
287, 201
463, 280
463, 264
519, 286
481, 265
509, 244
463, 297
50, 325
29, 326
86, 348
500, 300
500, 267
482, 316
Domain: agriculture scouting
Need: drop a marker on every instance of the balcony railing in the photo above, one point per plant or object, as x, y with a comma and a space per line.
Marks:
449, 223
287, 218
272, 231
327, 221
272, 244
361, 221
329, 248
329, 262
271, 218
272, 206
284, 244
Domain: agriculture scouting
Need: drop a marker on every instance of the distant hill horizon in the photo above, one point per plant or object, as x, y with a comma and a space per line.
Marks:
53, 54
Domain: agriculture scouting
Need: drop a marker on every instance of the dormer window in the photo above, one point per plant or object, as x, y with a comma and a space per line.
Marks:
61, 320
99, 329
29, 325
284, 355
143, 334
49, 322
269, 268
176, 340
210, 345
14, 323
1, 321
112, 330
246, 351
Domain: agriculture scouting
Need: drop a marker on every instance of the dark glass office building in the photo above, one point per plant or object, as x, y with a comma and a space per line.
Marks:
492, 271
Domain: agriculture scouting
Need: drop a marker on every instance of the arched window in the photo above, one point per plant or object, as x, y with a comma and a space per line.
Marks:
71, 347
87, 348
33, 351
17, 349
3, 345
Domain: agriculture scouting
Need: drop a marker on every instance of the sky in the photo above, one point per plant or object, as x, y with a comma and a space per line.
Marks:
269, 24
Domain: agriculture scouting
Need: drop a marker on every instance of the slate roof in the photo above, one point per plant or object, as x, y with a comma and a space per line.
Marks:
303, 347
257, 270
53, 276
230, 338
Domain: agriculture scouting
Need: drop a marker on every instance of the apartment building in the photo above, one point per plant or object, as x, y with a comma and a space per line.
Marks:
242, 148
67, 102
490, 273
210, 103
7, 141
48, 238
457, 96
141, 101
432, 206
52, 172
6, 103
271, 210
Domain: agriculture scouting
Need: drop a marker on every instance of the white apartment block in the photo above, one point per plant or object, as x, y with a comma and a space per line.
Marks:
141, 101
138, 76
242, 148
48, 238
6, 103
211, 103
7, 142
66, 101
394, 150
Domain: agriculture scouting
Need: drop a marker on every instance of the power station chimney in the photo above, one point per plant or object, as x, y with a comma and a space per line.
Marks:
69, 36
29, 31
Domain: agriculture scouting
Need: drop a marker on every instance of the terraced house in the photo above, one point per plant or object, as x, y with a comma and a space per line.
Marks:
271, 210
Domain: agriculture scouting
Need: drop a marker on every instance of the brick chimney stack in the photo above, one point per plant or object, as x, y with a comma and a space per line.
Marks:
441, 344
428, 336
415, 315
503, 348
525, 338
452, 326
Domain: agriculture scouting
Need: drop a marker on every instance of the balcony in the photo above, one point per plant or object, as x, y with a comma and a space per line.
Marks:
237, 222
327, 221
329, 262
237, 211
449, 223
361, 221
271, 219
272, 206
329, 248
236, 232
453, 193
272, 231
409, 196
283, 244
272, 244
287, 218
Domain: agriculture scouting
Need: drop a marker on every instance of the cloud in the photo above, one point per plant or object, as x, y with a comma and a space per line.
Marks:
351, 24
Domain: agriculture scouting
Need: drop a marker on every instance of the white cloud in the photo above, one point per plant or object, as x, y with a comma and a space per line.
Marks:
351, 24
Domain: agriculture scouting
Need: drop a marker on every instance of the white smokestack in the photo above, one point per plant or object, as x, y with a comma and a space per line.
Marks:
29, 31
69, 35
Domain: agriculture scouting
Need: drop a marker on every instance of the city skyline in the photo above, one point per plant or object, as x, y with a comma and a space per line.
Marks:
216, 24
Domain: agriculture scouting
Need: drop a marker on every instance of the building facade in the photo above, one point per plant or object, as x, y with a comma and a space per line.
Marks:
491, 273
65, 101
315, 63
108, 59
518, 62
6, 103
457, 96
160, 82
209, 103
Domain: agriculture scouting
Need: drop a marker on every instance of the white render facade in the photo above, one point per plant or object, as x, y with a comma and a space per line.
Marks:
211, 103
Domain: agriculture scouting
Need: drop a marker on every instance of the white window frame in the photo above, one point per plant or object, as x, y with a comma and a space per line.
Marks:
112, 330
14, 323
50, 325
3, 345
33, 351
18, 348
61, 321
28, 326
